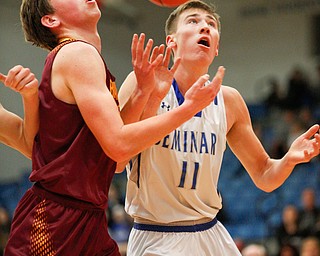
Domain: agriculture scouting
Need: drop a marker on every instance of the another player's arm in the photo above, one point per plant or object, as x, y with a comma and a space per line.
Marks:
86, 82
137, 87
132, 100
16, 132
268, 174
10, 129
134, 95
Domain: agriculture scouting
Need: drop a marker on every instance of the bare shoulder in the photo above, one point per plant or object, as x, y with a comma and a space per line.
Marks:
235, 105
231, 96
230, 92
78, 53
77, 67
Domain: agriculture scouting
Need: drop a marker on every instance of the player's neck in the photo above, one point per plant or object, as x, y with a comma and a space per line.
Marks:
92, 38
186, 78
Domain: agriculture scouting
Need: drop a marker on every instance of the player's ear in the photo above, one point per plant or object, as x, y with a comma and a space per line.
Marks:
171, 41
50, 21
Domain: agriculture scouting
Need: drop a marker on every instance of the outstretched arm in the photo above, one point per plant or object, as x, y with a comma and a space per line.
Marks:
267, 173
99, 109
16, 132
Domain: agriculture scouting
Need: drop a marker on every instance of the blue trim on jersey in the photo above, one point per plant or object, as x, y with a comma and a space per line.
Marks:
176, 229
180, 97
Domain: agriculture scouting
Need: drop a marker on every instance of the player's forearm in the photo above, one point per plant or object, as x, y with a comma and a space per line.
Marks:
31, 119
11, 132
134, 107
136, 137
275, 174
151, 108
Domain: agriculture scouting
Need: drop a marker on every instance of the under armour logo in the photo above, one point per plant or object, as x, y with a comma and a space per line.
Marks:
163, 105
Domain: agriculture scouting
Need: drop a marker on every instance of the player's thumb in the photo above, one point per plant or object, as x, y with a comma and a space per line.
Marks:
2, 77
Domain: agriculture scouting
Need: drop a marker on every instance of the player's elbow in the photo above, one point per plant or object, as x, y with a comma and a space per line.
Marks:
265, 187
120, 153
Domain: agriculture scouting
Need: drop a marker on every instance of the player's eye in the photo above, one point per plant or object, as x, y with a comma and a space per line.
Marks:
192, 21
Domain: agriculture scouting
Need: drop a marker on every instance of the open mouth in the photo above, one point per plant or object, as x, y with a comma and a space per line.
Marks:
204, 42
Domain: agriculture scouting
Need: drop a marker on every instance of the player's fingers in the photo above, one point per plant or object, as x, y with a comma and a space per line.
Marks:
201, 80
140, 45
2, 78
12, 76
167, 56
317, 137
154, 54
20, 77
134, 47
218, 78
175, 65
220, 74
161, 49
147, 51
27, 81
157, 61
312, 132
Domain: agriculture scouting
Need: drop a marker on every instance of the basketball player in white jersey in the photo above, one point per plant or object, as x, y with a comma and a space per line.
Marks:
172, 186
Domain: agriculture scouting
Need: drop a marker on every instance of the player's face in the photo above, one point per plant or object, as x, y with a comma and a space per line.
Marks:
76, 12
197, 36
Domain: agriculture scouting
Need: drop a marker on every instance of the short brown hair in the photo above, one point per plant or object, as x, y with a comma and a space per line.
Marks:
171, 23
31, 12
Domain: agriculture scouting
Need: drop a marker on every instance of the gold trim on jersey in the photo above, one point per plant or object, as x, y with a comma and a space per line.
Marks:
41, 243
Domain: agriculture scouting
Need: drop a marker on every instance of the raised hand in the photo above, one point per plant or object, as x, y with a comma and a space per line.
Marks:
21, 80
305, 147
163, 74
201, 95
143, 62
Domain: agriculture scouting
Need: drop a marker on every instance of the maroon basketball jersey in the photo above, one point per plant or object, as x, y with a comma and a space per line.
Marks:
67, 158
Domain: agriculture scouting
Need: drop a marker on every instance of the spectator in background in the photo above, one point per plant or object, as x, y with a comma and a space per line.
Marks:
310, 247
120, 227
306, 116
254, 250
113, 200
274, 100
4, 228
288, 231
309, 213
288, 250
317, 86
299, 93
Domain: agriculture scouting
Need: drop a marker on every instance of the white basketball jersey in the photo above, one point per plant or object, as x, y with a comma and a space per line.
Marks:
176, 179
